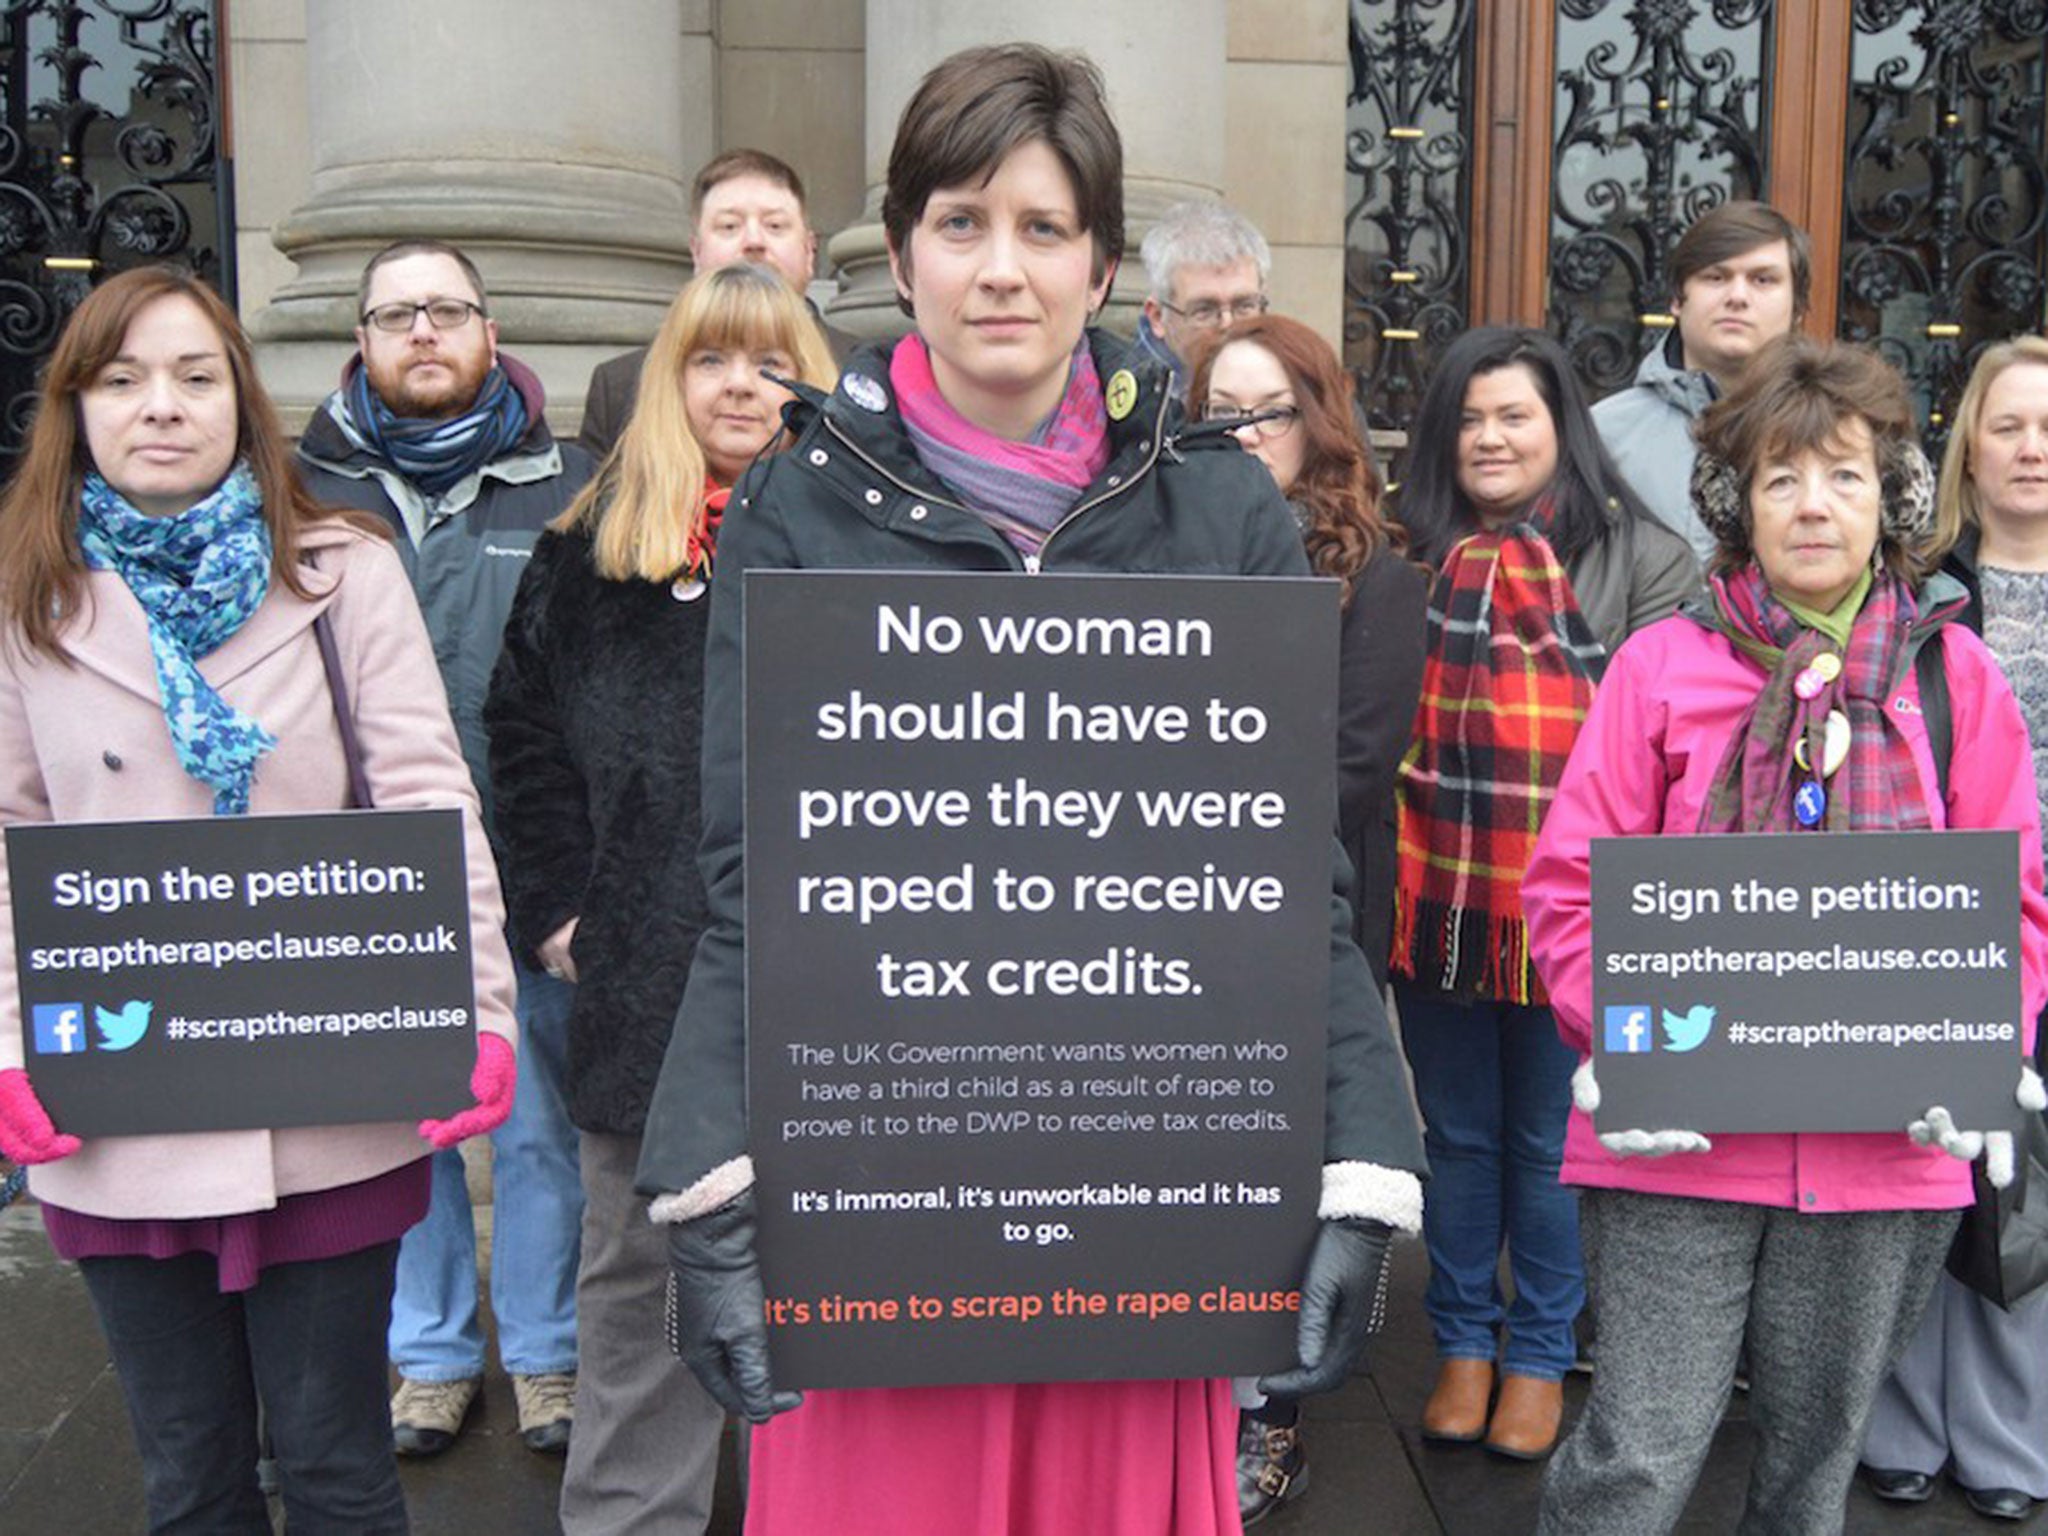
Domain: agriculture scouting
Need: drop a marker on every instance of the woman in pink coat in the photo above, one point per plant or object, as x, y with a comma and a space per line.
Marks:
1821, 1247
161, 574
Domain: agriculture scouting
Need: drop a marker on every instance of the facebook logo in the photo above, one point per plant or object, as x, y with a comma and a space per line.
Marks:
1628, 1030
60, 1028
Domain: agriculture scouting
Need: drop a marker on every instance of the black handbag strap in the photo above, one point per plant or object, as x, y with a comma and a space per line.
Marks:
1934, 708
344, 716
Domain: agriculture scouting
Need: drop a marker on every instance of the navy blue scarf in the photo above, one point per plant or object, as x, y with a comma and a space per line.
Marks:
434, 454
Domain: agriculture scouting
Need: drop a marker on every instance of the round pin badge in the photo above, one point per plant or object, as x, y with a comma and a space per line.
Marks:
1810, 803
687, 589
1828, 665
865, 392
1121, 395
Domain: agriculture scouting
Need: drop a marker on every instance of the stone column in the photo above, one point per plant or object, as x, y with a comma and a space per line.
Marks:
1165, 70
552, 142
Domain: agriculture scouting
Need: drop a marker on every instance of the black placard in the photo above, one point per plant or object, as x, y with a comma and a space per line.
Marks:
244, 971
1008, 1125
1797, 982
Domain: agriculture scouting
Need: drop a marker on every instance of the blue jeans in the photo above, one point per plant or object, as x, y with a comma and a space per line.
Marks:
1494, 1083
536, 1219
307, 1339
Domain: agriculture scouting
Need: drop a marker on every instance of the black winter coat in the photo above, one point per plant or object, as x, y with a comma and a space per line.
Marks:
594, 715
852, 494
1379, 683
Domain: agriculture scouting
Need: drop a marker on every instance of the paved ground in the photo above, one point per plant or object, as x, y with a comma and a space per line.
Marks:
66, 1465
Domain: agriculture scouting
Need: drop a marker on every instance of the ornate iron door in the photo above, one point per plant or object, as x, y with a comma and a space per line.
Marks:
1945, 235
110, 157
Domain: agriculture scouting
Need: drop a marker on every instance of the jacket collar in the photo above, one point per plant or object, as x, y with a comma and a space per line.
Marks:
1664, 374
111, 633
862, 409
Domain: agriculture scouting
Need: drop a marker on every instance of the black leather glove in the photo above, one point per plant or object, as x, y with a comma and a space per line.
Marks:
1343, 1299
716, 1322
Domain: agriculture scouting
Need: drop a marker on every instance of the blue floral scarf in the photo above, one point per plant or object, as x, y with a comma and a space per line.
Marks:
198, 576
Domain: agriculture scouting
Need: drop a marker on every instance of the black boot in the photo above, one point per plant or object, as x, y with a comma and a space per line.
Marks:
1272, 1467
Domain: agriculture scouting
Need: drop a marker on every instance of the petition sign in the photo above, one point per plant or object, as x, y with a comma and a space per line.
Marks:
1038, 948
244, 971
1793, 982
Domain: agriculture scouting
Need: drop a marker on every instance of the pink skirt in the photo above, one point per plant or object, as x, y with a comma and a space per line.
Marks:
1111, 1458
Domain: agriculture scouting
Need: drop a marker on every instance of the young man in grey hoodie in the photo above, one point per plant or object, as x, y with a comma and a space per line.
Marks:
1740, 278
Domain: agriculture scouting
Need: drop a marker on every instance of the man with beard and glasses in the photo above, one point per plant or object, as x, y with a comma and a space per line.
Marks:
441, 434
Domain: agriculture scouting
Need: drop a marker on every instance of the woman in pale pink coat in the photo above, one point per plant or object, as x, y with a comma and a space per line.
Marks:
160, 576
1787, 702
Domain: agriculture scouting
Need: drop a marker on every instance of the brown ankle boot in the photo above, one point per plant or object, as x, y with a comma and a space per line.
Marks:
1456, 1409
1525, 1419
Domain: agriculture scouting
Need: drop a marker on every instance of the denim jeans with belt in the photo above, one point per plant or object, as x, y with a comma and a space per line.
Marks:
1494, 1084
307, 1339
537, 1219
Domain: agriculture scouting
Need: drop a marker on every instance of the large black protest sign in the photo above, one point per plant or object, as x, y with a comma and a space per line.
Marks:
1038, 914
1798, 982
244, 971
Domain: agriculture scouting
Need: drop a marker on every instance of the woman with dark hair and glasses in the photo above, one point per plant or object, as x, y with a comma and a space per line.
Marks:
1006, 452
1283, 383
1545, 564
164, 585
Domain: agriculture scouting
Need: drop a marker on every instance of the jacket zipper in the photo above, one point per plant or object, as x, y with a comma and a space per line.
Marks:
1157, 441
1031, 563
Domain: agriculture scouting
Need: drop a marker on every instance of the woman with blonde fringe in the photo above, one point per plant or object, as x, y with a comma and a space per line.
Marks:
594, 716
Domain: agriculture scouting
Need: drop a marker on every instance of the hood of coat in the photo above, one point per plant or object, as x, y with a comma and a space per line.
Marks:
1665, 375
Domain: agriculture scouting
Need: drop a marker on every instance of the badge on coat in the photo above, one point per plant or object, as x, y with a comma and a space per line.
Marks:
865, 392
1121, 395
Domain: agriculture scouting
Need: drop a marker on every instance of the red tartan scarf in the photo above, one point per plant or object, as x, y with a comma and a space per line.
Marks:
1877, 788
1506, 684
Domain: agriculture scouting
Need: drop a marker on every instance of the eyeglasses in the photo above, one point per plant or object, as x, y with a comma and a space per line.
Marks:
1211, 316
442, 315
1268, 421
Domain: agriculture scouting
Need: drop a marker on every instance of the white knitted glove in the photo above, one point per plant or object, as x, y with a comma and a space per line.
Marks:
1937, 1128
1633, 1143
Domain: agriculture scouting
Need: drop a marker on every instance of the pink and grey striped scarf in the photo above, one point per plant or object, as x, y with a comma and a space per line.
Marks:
1021, 489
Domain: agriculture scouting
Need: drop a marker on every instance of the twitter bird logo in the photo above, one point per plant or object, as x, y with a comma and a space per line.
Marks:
1685, 1031
120, 1030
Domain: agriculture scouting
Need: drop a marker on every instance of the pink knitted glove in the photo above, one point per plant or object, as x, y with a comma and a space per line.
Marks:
491, 1084
26, 1135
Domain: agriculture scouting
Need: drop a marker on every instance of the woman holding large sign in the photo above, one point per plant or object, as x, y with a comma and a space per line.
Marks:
1546, 563
1002, 436
1970, 1392
1789, 702
594, 715
165, 586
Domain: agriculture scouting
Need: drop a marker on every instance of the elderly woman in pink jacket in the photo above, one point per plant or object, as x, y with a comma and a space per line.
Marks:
161, 576
1821, 1247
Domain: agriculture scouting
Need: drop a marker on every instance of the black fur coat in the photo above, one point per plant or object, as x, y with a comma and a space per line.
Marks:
594, 714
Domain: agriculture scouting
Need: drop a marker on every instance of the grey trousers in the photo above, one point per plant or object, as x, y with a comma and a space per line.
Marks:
644, 1454
1972, 1386
1827, 1301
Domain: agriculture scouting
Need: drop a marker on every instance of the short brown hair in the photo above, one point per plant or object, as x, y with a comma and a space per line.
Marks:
974, 108
1735, 229
1339, 484
1799, 395
735, 163
42, 571
398, 250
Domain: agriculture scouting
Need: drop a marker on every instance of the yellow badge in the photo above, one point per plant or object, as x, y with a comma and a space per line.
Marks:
1122, 394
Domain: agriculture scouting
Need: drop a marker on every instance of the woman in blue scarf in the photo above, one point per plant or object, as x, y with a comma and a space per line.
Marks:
188, 635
